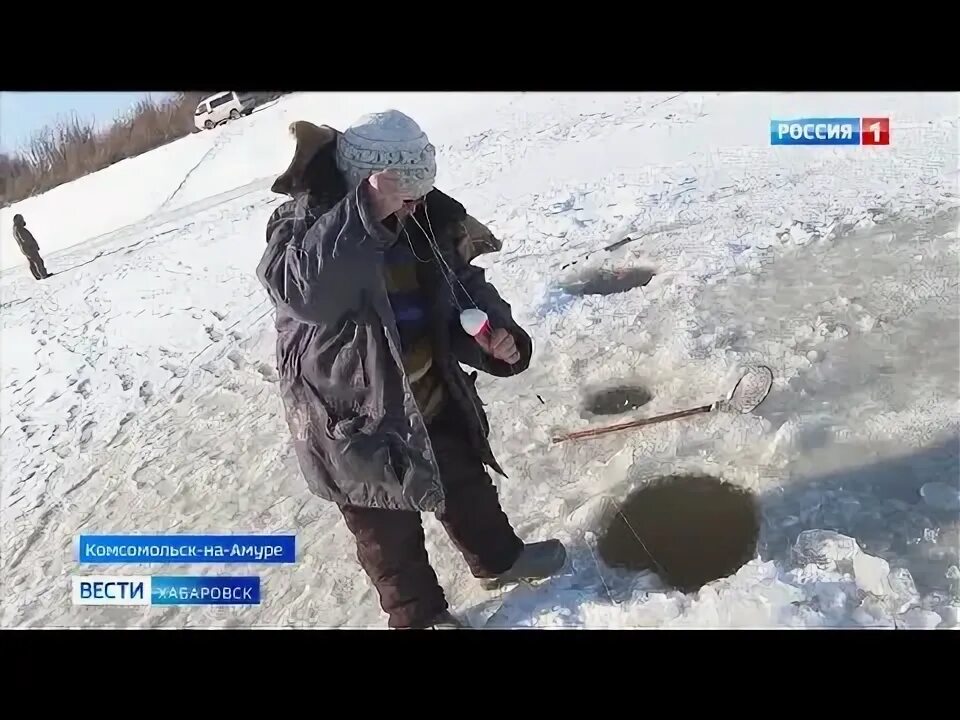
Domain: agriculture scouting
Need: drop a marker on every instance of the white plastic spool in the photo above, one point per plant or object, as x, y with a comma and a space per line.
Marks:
475, 322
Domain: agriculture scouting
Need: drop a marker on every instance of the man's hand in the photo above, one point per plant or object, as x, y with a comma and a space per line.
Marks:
386, 197
500, 344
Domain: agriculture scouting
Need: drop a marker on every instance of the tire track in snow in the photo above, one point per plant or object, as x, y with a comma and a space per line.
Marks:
201, 161
218, 144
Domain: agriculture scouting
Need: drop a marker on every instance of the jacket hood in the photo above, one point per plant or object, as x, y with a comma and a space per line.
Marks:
307, 169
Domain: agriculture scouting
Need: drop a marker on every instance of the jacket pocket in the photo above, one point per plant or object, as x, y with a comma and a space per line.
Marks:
348, 368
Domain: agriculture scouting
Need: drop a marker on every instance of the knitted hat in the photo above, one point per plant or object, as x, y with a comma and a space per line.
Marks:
383, 140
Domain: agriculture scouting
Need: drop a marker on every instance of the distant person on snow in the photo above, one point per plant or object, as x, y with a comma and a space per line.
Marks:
368, 268
30, 249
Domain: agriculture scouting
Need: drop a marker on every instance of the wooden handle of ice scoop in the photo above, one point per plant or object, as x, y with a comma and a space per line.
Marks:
632, 424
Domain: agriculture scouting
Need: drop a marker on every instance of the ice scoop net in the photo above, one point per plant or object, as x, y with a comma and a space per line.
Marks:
751, 389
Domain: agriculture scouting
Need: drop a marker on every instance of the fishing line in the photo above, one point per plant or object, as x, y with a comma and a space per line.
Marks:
600, 572
663, 570
435, 248
453, 292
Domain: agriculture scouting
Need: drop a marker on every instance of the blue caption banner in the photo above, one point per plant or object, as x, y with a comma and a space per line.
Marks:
166, 590
114, 549
204, 590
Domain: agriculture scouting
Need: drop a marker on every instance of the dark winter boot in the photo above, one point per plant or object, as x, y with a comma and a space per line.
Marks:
445, 621
538, 561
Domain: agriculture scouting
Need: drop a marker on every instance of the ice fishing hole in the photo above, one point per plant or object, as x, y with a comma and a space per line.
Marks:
692, 530
616, 400
605, 281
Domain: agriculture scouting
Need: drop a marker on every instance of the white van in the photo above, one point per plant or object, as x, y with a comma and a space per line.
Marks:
221, 107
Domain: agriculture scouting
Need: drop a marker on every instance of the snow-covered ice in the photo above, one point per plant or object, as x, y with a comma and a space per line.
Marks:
138, 384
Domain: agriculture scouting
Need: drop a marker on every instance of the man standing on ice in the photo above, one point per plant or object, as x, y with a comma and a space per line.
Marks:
366, 269
29, 248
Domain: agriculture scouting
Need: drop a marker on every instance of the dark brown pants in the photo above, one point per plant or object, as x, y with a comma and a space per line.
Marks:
37, 268
390, 543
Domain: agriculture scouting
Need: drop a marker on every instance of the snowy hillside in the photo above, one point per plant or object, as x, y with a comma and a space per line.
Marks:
138, 384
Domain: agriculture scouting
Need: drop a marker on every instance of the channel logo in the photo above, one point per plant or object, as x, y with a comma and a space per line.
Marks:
831, 131
166, 590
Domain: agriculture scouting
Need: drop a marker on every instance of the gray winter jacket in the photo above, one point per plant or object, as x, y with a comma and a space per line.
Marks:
26, 241
359, 436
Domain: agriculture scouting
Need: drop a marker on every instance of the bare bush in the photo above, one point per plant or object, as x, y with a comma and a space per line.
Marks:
72, 148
